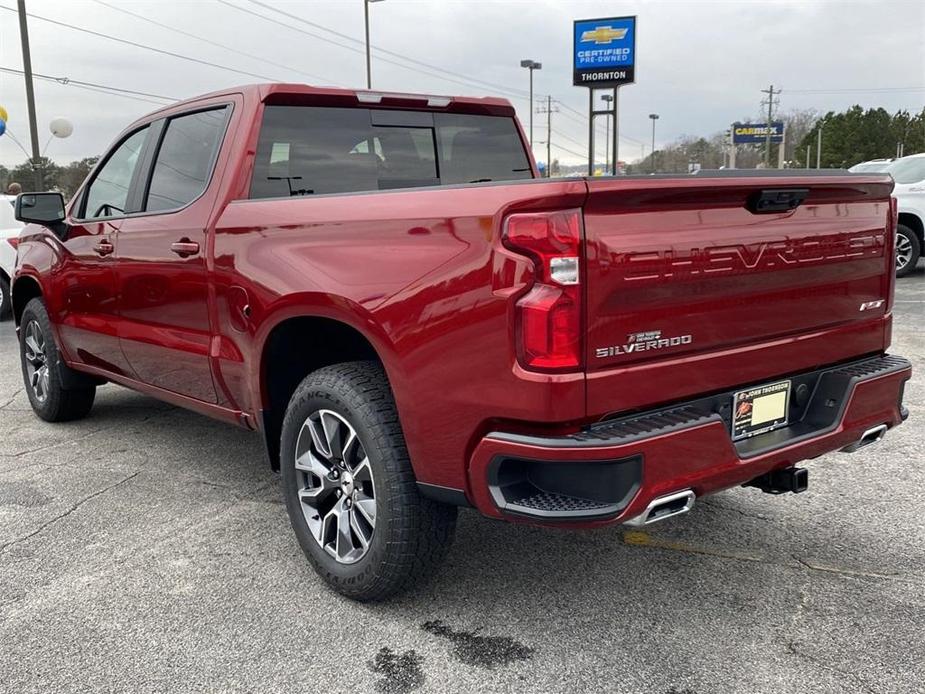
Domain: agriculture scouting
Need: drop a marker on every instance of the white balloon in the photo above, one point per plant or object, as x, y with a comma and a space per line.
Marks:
61, 127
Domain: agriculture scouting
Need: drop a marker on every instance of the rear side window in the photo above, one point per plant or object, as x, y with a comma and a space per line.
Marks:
305, 150
108, 193
480, 148
185, 159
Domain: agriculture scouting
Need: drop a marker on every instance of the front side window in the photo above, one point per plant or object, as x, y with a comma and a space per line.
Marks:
108, 193
185, 159
306, 150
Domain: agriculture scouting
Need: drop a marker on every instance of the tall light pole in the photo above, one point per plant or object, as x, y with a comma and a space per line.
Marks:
531, 65
819, 147
654, 117
369, 76
608, 99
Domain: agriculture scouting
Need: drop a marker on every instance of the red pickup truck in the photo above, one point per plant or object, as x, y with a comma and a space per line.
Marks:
382, 286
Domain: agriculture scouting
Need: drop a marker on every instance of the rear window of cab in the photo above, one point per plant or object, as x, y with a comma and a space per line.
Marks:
308, 150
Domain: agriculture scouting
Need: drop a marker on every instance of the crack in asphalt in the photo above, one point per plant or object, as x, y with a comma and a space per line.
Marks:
77, 439
12, 398
792, 649
640, 538
71, 510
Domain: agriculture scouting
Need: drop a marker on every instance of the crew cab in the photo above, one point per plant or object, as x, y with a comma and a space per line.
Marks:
381, 285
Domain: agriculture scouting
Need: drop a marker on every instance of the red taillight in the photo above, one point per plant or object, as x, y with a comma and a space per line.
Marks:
549, 314
13, 241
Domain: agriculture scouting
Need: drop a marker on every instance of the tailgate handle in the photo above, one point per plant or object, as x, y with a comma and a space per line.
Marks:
776, 200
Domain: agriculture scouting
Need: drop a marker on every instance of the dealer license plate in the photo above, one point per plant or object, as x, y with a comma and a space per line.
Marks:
760, 409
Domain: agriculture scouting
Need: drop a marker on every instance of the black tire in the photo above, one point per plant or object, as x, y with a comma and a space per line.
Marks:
6, 302
412, 534
905, 234
51, 401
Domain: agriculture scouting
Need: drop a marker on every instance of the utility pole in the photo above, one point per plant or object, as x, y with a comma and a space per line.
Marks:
30, 94
549, 109
807, 156
548, 136
767, 138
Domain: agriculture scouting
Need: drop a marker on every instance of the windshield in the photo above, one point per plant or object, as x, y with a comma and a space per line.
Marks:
870, 167
908, 170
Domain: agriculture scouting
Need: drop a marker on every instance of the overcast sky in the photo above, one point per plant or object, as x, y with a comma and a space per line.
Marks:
700, 65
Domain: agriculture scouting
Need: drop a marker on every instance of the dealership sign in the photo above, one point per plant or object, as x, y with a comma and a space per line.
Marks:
604, 52
755, 133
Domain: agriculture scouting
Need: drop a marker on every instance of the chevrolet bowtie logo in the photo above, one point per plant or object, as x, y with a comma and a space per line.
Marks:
603, 34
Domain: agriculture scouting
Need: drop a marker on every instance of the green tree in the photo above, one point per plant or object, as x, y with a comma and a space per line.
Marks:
25, 174
71, 176
857, 135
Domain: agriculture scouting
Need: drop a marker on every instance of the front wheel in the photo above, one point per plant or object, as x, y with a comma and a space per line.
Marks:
908, 249
43, 370
350, 491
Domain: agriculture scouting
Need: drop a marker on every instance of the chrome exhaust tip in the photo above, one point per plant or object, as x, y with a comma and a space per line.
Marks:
664, 507
871, 436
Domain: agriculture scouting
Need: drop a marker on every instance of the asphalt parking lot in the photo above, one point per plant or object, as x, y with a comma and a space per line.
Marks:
146, 548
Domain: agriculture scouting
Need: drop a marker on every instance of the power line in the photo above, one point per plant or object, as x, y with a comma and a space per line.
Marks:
853, 90
236, 51
140, 45
92, 86
523, 93
466, 83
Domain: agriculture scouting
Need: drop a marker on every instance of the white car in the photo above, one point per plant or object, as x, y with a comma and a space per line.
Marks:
9, 233
872, 166
909, 174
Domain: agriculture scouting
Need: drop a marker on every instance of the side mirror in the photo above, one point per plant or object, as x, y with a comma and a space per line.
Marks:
40, 208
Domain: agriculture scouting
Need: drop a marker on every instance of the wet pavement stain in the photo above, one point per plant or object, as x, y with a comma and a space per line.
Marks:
23, 494
472, 648
400, 672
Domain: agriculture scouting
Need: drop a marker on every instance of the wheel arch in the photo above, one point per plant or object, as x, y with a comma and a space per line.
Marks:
914, 222
23, 289
298, 343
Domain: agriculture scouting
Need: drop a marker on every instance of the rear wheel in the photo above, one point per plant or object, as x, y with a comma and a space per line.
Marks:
6, 303
908, 250
43, 370
350, 491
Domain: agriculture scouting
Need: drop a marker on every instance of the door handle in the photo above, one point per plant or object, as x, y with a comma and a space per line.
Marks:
104, 247
184, 247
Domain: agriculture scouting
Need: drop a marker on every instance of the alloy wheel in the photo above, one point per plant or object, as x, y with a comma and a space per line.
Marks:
36, 361
336, 487
903, 252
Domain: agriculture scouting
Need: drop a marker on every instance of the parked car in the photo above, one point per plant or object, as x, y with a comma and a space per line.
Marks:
909, 191
381, 286
872, 166
9, 237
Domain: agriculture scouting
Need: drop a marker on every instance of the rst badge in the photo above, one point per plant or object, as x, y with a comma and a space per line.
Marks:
642, 342
870, 305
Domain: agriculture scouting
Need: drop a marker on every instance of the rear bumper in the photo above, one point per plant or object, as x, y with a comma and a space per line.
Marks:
613, 471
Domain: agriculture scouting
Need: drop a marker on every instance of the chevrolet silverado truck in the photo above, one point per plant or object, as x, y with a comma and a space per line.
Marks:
381, 285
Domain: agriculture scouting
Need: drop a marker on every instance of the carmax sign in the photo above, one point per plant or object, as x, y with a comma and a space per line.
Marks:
755, 133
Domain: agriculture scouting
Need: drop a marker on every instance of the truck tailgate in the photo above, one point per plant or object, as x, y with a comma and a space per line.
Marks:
683, 271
